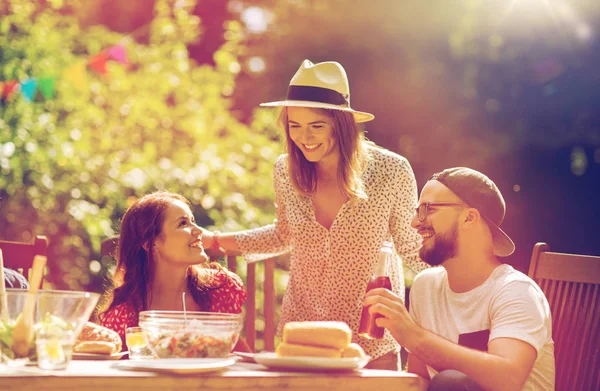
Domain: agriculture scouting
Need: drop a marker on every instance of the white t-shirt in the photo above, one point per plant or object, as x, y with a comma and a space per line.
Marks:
508, 305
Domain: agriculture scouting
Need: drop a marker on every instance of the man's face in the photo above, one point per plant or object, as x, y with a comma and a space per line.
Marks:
439, 230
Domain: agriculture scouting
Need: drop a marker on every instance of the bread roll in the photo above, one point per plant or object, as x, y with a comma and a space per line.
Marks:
288, 349
336, 335
98, 347
353, 350
93, 332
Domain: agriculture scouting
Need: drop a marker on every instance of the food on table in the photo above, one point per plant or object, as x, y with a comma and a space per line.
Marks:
97, 339
285, 349
49, 323
180, 334
327, 334
96, 347
318, 339
353, 350
188, 343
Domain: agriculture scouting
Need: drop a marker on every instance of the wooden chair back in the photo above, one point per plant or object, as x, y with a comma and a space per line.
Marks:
108, 248
19, 255
571, 284
268, 298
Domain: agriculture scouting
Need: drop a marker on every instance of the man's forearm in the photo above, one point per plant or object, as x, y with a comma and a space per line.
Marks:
491, 371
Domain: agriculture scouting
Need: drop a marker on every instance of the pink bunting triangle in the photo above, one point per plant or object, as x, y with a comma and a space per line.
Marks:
118, 54
98, 63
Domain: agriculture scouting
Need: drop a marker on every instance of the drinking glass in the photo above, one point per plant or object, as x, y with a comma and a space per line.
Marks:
54, 348
137, 345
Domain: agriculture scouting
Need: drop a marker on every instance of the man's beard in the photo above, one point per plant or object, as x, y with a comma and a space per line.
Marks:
444, 247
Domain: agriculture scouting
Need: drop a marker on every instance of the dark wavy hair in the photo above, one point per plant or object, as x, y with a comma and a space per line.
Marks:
353, 155
140, 226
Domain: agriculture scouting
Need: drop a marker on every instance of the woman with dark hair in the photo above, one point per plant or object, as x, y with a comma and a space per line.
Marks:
160, 257
339, 197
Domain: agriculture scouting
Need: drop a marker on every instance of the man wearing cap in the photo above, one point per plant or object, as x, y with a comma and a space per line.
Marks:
474, 323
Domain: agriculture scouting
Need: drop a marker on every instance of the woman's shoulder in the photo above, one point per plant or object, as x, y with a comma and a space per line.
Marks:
227, 293
281, 162
218, 275
378, 153
121, 313
121, 309
385, 160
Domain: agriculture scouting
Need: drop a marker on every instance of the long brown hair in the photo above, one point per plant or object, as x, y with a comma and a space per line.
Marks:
353, 156
140, 226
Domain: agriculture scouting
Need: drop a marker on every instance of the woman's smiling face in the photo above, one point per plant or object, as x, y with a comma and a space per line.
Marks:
313, 133
180, 240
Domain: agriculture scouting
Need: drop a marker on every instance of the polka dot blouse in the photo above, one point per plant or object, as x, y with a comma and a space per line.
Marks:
228, 298
330, 269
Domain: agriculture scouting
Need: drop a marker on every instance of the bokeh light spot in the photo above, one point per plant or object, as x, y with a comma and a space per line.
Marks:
255, 19
579, 162
256, 64
95, 267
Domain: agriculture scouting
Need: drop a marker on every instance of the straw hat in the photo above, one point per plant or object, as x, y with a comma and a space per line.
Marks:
323, 85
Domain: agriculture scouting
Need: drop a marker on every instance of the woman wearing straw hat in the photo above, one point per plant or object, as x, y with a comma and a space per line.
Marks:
338, 197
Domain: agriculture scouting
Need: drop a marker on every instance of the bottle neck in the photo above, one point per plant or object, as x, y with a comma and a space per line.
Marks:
383, 263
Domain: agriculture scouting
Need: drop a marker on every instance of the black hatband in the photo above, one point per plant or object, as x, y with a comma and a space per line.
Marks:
316, 94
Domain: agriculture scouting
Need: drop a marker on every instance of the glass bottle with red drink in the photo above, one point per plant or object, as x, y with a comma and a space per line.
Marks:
368, 328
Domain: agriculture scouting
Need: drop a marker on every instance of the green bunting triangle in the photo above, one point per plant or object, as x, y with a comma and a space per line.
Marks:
46, 87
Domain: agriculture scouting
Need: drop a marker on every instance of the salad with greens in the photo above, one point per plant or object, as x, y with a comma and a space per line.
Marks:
49, 323
188, 344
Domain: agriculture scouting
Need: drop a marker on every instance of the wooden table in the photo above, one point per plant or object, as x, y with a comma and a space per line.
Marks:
100, 375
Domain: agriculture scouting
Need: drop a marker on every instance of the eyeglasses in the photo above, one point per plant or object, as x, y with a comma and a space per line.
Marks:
423, 210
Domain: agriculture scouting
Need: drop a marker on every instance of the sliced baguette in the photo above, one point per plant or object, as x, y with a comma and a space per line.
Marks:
335, 335
292, 350
98, 347
353, 350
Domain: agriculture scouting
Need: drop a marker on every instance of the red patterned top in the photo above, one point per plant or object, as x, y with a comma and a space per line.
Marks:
229, 297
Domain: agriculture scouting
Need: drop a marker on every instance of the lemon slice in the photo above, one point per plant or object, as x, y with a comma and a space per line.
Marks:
54, 350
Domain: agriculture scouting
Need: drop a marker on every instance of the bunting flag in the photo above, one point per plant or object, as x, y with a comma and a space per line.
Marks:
75, 74
118, 54
98, 63
10, 87
46, 87
28, 89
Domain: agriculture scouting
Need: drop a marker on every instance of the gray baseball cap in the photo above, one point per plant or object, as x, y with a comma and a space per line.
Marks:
481, 193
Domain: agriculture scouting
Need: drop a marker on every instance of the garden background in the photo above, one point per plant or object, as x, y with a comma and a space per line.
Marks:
103, 101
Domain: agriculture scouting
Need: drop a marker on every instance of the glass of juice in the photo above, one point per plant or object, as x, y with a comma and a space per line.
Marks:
136, 343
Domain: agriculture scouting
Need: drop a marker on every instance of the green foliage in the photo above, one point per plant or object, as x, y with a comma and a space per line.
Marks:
71, 166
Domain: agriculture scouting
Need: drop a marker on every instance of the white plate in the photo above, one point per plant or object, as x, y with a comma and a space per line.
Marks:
176, 365
245, 357
95, 356
272, 360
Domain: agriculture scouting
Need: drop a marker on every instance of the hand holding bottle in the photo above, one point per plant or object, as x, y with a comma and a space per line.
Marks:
390, 313
368, 327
